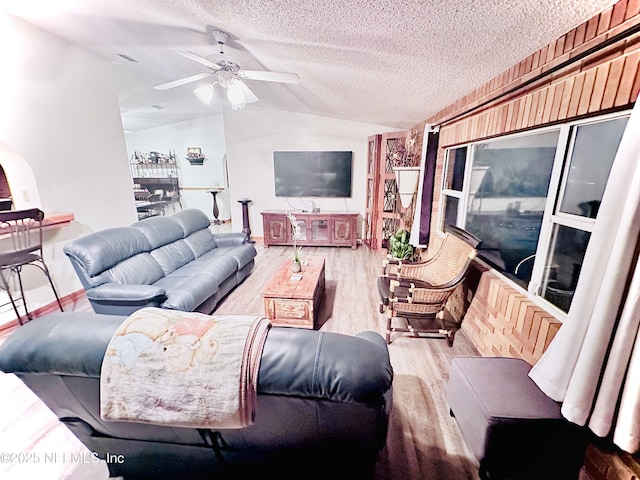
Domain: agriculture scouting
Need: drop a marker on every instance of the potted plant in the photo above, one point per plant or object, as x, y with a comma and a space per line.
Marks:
296, 265
399, 246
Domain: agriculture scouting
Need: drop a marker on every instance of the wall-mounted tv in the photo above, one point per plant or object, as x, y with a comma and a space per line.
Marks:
312, 174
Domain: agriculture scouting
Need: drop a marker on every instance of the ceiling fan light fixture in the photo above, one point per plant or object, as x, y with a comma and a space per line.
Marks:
235, 95
228, 75
205, 93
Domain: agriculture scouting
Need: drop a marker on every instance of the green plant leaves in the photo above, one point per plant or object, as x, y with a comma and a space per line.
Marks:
399, 246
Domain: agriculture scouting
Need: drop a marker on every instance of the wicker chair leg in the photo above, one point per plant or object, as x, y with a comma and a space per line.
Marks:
450, 335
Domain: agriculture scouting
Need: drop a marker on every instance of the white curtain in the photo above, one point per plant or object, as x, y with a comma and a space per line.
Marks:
593, 364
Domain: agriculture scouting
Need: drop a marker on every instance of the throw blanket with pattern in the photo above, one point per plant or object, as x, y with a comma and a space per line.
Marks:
183, 369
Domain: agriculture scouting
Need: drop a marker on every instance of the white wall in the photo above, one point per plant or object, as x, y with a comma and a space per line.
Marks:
195, 180
252, 134
58, 109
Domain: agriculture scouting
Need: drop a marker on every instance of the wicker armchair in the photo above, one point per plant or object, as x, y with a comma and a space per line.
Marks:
418, 292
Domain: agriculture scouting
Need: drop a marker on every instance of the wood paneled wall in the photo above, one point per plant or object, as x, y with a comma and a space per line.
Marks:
593, 69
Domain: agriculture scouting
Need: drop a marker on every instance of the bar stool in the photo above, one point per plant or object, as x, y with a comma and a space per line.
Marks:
24, 227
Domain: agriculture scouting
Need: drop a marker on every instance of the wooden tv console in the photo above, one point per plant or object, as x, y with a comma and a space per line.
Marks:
324, 228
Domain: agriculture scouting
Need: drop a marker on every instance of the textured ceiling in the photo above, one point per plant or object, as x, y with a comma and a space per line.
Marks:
387, 62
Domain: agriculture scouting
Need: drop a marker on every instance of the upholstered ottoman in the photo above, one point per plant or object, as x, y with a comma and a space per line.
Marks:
511, 426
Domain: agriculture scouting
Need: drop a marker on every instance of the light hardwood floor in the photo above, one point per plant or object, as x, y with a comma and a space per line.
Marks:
423, 442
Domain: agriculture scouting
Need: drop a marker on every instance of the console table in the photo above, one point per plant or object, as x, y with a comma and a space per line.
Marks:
325, 228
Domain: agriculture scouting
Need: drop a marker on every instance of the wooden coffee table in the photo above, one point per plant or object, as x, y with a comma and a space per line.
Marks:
293, 300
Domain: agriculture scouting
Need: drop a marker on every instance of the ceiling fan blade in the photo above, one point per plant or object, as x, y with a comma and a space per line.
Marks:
198, 58
281, 77
249, 96
182, 81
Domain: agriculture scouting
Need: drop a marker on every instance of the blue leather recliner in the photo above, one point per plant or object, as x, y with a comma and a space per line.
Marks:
322, 409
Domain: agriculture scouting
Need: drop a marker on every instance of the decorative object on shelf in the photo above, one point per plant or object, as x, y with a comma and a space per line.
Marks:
153, 157
246, 229
296, 265
195, 156
403, 152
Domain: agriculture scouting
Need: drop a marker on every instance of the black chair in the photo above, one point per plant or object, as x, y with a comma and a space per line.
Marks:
153, 206
24, 228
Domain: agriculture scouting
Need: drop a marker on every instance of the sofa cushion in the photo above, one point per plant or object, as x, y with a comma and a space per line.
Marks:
326, 373
102, 250
139, 269
242, 254
201, 242
191, 220
172, 256
220, 269
159, 230
187, 292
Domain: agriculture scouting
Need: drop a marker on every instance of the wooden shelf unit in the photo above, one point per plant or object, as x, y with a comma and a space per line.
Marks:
382, 217
154, 172
329, 228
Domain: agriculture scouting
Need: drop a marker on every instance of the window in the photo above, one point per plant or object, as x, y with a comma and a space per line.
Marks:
453, 182
533, 200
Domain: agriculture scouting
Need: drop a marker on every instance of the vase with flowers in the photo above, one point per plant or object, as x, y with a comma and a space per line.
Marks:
296, 263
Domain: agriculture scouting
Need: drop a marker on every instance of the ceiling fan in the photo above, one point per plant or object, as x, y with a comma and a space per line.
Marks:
228, 75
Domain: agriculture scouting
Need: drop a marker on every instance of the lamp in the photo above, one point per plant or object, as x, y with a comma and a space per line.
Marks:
407, 181
235, 95
235, 90
205, 93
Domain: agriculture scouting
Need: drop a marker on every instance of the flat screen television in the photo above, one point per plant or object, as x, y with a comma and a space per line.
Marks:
312, 174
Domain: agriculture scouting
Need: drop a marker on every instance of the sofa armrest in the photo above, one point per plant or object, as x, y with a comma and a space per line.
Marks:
323, 365
115, 292
230, 239
376, 339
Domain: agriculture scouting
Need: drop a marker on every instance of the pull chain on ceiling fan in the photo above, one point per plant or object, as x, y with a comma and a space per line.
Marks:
228, 75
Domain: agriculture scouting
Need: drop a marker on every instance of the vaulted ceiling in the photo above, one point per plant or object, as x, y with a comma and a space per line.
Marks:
387, 62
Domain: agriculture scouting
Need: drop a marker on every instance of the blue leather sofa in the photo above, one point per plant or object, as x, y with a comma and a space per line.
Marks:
322, 411
172, 262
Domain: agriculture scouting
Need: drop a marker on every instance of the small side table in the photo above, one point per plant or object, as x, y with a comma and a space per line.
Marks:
246, 229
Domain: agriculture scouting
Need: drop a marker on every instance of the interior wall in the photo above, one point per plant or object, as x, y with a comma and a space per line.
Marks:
208, 134
252, 134
59, 110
